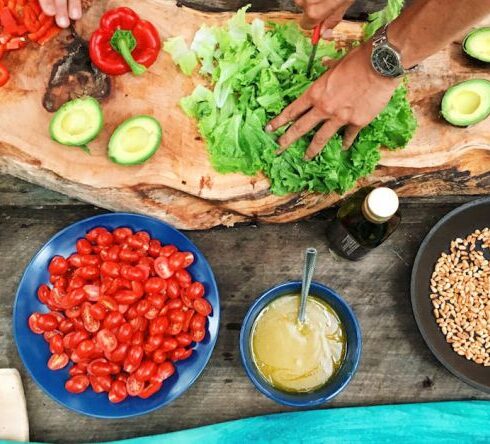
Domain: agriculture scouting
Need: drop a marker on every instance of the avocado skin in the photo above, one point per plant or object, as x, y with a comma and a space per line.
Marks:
471, 55
67, 105
446, 113
122, 127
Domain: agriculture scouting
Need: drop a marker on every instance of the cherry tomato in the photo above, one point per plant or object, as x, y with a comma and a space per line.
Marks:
168, 250
113, 320
126, 297
156, 300
179, 354
118, 392
176, 260
108, 302
66, 326
184, 339
104, 239
175, 328
196, 290
155, 285
125, 332
162, 267
73, 312
75, 260
152, 312
77, 384
152, 343
145, 371
159, 325
154, 248
138, 338
184, 278
92, 292
133, 358
175, 304
56, 344
43, 293
188, 316
107, 340
164, 371
110, 269
150, 390
99, 367
75, 298
84, 247
128, 256
188, 259
169, 344
159, 356
134, 386
89, 322
58, 361
187, 301
138, 288
198, 334
143, 306
78, 369
100, 384
85, 348
198, 322
58, 266
173, 288
34, 323
119, 354
47, 322
176, 315
202, 306
120, 234
98, 311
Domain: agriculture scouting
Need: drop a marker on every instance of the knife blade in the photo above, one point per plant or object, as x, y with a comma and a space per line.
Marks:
315, 38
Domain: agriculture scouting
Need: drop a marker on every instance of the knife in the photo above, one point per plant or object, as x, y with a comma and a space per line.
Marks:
315, 38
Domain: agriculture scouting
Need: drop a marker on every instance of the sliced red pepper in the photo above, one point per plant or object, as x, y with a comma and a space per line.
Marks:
8, 21
52, 32
4, 38
31, 21
124, 43
34, 4
4, 75
2, 50
35, 36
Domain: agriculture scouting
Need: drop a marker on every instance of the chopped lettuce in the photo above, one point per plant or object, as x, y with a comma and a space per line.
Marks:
181, 54
378, 19
255, 70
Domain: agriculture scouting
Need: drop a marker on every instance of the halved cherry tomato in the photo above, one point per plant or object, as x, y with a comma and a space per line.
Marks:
164, 371
77, 384
145, 371
99, 367
169, 344
58, 361
47, 322
198, 334
113, 320
43, 293
176, 261
84, 247
58, 266
188, 259
92, 292
85, 349
91, 324
198, 322
196, 290
159, 356
118, 392
173, 288
133, 358
100, 383
202, 306
155, 285
56, 344
98, 311
150, 390
34, 323
184, 278
134, 386
162, 267
107, 340
184, 339
125, 332
179, 354
168, 250
120, 234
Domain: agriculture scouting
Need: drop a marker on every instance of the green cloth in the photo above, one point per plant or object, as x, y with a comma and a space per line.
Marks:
439, 422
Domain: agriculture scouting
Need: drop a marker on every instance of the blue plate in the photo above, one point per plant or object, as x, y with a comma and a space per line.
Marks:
34, 351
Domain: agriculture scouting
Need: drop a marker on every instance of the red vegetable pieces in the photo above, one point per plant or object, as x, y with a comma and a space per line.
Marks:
123, 309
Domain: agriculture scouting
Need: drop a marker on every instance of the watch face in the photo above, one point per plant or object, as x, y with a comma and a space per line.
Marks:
386, 61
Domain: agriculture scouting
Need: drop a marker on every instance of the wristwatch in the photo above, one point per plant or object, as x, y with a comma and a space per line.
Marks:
386, 60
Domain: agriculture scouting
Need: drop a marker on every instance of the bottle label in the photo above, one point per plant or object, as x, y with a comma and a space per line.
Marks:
343, 243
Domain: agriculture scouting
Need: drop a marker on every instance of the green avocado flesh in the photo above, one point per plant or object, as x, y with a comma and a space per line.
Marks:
135, 140
477, 44
467, 103
77, 122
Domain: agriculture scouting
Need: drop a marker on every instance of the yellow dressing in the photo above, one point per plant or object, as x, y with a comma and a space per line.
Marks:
297, 358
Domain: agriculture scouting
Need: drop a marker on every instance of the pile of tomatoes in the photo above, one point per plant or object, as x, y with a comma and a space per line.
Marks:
123, 309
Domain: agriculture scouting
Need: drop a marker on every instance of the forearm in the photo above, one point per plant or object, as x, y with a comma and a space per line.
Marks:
427, 26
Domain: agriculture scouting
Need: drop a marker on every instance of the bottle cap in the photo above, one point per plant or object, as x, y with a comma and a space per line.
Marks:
381, 204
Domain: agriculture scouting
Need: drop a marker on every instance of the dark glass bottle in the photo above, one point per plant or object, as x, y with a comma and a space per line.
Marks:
364, 221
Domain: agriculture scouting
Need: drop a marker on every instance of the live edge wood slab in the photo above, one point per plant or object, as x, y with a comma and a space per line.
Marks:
178, 184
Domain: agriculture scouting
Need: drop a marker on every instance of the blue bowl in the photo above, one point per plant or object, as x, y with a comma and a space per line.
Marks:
34, 350
349, 365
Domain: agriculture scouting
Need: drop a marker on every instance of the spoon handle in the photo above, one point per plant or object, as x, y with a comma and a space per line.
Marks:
309, 268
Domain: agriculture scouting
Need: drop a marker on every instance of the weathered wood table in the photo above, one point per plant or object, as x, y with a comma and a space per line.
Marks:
396, 366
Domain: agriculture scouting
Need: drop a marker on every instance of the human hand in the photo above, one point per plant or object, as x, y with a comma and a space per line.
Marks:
327, 12
64, 10
350, 94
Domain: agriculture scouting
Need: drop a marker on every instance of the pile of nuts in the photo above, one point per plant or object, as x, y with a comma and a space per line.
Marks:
460, 294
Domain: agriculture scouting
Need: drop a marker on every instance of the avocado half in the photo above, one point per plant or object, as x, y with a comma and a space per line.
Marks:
476, 44
135, 140
77, 122
467, 103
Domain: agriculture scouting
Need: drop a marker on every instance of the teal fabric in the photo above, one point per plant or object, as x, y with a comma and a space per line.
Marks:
436, 422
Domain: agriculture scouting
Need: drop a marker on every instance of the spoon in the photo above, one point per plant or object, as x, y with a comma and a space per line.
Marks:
308, 270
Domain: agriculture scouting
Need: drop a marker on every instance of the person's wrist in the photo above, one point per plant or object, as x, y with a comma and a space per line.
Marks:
366, 51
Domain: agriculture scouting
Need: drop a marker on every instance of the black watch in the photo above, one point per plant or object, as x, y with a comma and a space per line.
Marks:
386, 60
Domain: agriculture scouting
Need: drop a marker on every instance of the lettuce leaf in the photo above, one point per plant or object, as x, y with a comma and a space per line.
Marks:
378, 19
181, 54
256, 69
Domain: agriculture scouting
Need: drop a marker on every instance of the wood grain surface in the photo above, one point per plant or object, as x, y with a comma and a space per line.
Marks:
178, 184
396, 365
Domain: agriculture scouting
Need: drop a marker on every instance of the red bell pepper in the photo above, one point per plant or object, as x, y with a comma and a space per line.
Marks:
4, 75
124, 43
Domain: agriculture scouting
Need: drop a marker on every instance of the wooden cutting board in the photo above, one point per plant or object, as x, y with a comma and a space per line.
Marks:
178, 184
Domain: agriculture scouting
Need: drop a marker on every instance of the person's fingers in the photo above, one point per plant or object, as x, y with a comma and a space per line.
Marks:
350, 134
322, 136
307, 22
62, 19
75, 9
291, 112
304, 124
48, 7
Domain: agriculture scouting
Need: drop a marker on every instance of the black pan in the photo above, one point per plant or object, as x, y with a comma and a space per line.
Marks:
458, 223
